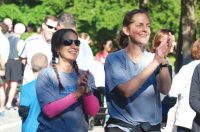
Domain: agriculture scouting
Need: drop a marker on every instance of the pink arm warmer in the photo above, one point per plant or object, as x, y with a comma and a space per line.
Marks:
91, 105
54, 108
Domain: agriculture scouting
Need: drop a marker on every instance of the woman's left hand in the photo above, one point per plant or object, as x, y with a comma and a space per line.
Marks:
164, 48
83, 82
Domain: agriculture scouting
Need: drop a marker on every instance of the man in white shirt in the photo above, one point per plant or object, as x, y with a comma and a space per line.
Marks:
38, 43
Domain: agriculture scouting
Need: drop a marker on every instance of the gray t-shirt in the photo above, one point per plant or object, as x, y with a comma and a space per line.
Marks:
142, 106
73, 118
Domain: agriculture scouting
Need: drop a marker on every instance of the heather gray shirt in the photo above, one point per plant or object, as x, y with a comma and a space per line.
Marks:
142, 106
71, 119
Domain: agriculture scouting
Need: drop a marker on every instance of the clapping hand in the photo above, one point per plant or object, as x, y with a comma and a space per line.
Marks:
83, 83
164, 48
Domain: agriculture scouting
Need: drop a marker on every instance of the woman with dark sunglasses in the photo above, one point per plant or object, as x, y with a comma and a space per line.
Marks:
64, 91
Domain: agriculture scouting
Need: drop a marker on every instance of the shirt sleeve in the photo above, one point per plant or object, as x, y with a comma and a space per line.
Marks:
91, 82
115, 72
195, 90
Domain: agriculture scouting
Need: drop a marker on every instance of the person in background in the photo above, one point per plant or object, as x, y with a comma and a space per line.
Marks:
38, 43
29, 108
86, 37
106, 48
85, 57
161, 35
135, 78
181, 88
63, 90
4, 53
194, 96
14, 66
30, 30
9, 23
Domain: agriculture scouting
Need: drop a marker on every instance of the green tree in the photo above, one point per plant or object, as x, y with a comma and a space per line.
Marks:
101, 19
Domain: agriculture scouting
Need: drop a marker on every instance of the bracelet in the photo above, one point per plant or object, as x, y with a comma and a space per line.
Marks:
163, 65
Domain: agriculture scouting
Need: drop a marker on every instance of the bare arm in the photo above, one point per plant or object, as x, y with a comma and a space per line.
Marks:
23, 60
164, 80
130, 87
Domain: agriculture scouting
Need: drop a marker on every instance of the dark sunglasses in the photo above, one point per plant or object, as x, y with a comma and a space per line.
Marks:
69, 42
50, 27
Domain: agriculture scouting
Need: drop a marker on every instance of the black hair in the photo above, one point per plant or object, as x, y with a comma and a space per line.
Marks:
123, 38
56, 43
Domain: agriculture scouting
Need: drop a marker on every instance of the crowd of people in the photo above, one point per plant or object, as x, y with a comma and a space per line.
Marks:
59, 77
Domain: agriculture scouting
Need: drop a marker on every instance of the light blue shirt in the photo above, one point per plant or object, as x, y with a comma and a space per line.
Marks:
144, 105
28, 98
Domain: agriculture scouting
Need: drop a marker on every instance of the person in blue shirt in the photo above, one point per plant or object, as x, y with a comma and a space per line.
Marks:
135, 77
64, 91
29, 106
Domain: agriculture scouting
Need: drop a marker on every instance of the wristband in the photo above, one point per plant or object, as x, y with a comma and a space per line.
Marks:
163, 65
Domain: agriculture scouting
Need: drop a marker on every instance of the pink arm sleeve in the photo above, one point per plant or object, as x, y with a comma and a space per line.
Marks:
91, 104
54, 108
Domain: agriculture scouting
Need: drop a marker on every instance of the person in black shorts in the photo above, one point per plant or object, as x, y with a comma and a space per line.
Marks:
13, 66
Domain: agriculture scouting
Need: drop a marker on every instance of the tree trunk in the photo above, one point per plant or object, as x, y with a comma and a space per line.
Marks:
186, 34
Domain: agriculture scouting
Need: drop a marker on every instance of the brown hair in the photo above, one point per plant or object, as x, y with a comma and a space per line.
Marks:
56, 43
123, 38
158, 37
54, 18
195, 51
4, 27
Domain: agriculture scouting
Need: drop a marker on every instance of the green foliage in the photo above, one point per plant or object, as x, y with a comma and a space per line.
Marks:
165, 14
11, 10
101, 19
